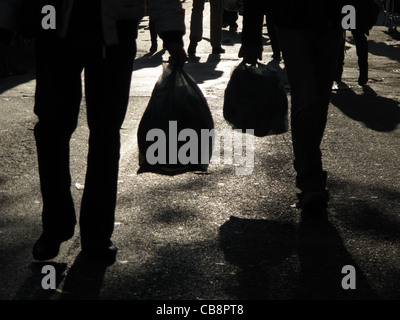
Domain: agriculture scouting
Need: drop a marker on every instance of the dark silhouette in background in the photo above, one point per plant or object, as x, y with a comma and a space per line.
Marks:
361, 43
366, 17
196, 26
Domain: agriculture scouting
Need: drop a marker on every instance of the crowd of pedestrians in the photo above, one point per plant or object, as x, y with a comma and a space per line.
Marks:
98, 37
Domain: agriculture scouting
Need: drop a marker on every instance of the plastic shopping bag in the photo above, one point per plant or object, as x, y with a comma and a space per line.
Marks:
175, 134
255, 99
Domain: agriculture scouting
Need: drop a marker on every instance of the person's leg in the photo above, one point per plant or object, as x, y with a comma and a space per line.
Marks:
310, 60
153, 36
107, 86
340, 63
234, 26
57, 102
226, 18
273, 38
217, 10
361, 41
229, 18
196, 25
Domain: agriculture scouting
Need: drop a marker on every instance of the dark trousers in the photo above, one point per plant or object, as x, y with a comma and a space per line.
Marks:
310, 57
196, 22
273, 37
153, 32
361, 41
108, 70
229, 18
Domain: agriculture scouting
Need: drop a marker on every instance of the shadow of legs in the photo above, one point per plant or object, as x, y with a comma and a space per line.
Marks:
322, 256
84, 280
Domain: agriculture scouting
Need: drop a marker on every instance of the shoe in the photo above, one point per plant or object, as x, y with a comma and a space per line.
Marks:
48, 247
218, 50
153, 47
313, 201
102, 253
363, 78
192, 48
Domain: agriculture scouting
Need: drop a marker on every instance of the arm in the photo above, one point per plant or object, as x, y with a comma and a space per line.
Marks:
253, 15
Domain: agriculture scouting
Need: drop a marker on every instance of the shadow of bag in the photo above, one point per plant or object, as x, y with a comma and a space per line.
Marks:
255, 99
177, 113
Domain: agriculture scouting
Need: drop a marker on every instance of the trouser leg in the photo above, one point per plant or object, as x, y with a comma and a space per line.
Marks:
57, 102
153, 32
273, 36
107, 86
340, 63
217, 11
196, 21
229, 18
361, 41
310, 59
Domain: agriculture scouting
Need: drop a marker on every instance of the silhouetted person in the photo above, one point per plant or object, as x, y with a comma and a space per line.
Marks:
309, 34
196, 26
98, 37
360, 39
367, 15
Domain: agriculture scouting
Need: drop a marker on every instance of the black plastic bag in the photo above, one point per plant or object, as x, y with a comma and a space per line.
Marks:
255, 99
177, 107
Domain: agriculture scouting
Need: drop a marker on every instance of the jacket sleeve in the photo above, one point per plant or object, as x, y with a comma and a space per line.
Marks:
169, 19
9, 14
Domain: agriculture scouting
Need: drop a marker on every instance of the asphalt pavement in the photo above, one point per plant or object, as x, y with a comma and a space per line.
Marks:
220, 235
